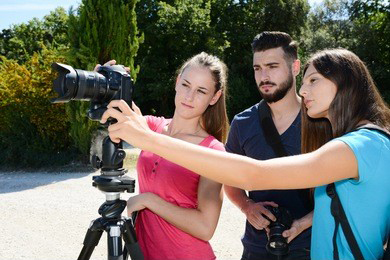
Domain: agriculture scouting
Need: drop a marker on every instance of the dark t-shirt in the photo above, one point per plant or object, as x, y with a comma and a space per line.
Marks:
246, 138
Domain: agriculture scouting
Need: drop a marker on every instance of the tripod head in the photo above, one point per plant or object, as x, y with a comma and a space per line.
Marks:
112, 178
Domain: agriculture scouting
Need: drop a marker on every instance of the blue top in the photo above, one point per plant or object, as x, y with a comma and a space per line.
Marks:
246, 138
366, 201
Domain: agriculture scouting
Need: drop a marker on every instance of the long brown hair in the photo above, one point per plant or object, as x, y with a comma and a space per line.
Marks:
214, 120
357, 99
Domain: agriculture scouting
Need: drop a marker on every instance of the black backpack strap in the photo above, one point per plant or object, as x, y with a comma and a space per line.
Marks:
339, 216
386, 255
375, 128
272, 138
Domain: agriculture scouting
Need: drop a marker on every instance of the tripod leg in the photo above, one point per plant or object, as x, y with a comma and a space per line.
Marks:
91, 239
114, 241
130, 239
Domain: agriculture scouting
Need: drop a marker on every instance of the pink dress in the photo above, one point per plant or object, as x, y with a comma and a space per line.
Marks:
159, 239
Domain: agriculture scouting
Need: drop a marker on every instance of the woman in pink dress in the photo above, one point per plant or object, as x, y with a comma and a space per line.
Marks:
178, 209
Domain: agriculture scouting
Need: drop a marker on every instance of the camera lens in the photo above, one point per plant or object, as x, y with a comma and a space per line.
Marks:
78, 84
92, 86
100, 87
277, 244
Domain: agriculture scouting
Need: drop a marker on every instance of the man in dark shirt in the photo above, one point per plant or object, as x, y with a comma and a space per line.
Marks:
276, 65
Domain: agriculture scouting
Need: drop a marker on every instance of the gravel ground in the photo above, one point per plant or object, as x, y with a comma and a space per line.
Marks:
45, 215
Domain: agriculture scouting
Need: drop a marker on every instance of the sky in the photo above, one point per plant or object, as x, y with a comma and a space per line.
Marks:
21, 11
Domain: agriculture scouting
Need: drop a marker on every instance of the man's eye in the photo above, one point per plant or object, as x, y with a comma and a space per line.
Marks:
313, 80
201, 91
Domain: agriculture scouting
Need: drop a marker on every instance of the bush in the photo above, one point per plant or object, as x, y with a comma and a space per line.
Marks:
33, 132
81, 128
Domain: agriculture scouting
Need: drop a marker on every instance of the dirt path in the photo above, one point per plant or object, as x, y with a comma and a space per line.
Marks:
45, 216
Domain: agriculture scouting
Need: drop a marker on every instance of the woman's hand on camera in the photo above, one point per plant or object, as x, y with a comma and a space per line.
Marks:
110, 63
131, 126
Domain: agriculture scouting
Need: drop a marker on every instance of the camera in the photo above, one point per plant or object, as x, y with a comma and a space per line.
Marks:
100, 87
277, 244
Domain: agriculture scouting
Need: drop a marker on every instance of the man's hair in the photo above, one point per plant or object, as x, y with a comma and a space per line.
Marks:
272, 39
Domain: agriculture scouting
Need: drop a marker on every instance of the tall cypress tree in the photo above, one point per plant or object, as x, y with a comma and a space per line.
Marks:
98, 32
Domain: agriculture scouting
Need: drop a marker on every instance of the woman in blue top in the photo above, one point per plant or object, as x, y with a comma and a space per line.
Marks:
339, 95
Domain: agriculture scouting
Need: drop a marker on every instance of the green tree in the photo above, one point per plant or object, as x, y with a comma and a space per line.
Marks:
360, 26
178, 29
98, 32
239, 22
328, 26
109, 31
21, 41
174, 31
371, 30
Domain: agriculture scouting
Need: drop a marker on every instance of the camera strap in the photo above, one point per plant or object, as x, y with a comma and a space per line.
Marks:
340, 218
273, 139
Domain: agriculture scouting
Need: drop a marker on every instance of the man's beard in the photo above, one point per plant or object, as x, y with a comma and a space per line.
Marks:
280, 92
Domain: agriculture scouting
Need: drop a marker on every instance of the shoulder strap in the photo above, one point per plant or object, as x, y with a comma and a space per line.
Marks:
272, 138
271, 134
339, 216
375, 128
386, 255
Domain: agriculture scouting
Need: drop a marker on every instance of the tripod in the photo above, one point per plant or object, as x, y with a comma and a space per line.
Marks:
112, 182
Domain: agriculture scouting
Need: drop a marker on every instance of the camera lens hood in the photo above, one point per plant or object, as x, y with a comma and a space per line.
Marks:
65, 84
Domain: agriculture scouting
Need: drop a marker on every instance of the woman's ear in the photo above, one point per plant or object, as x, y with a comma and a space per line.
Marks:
216, 97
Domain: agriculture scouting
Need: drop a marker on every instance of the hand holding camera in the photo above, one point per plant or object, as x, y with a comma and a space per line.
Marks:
255, 213
131, 126
111, 63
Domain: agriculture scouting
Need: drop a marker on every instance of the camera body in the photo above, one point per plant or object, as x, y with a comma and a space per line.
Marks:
277, 244
100, 87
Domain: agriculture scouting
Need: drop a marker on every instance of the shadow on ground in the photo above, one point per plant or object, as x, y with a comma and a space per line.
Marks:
19, 180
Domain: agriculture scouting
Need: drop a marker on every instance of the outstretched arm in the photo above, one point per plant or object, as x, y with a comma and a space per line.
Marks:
332, 162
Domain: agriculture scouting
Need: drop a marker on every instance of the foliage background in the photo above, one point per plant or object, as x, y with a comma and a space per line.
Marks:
154, 38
